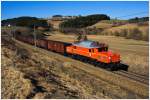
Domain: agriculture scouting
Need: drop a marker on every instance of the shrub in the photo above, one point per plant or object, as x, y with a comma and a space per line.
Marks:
69, 30
42, 28
146, 36
124, 32
110, 33
135, 34
136, 19
23, 54
143, 24
39, 34
24, 31
102, 33
117, 33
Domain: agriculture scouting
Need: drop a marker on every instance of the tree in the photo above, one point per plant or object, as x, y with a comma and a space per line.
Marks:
26, 22
83, 21
136, 19
57, 16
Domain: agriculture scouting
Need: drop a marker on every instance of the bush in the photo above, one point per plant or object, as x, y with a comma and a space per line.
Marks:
136, 19
69, 30
44, 29
39, 34
104, 33
124, 32
146, 36
23, 54
24, 31
135, 34
143, 24
117, 33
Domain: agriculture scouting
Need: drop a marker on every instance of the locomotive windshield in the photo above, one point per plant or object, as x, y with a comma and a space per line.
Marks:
102, 49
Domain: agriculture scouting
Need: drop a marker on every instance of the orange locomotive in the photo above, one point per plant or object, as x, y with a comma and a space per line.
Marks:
96, 51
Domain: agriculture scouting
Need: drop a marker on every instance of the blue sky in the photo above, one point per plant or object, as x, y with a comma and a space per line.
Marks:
45, 9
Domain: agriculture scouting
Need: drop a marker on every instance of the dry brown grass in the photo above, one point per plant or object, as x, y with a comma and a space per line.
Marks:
132, 86
54, 76
38, 77
131, 29
13, 83
101, 25
137, 31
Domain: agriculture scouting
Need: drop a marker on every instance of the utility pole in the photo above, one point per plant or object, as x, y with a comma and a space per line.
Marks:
34, 37
14, 32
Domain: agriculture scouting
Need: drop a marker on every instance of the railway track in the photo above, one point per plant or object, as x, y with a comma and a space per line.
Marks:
130, 75
136, 77
137, 87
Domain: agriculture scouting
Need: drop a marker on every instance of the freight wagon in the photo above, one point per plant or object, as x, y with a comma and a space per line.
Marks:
42, 43
55, 46
58, 46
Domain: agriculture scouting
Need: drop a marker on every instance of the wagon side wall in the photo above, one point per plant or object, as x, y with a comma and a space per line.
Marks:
57, 46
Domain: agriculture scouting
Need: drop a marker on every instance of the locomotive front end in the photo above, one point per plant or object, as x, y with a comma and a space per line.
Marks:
109, 57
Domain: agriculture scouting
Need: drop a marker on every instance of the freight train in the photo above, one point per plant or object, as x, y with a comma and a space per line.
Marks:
88, 51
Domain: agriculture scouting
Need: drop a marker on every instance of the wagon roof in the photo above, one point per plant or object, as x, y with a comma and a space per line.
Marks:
87, 44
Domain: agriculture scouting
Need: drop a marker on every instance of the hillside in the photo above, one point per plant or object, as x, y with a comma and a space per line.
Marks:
128, 26
108, 23
138, 31
25, 21
54, 23
101, 25
81, 22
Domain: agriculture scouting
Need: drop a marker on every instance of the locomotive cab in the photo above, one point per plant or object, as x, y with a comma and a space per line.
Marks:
102, 49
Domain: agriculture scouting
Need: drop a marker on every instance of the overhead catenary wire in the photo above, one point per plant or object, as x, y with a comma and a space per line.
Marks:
139, 13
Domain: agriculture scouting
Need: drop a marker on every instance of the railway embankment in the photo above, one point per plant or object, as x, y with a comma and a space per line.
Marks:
138, 89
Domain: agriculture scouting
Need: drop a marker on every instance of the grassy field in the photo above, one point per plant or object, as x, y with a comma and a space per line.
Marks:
133, 52
107, 23
142, 28
137, 31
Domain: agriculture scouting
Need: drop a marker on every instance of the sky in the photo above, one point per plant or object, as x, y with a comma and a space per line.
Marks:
46, 9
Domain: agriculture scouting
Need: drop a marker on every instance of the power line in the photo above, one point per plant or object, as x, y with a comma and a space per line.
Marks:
133, 14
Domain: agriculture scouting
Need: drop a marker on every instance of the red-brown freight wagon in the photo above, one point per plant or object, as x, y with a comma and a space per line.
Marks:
42, 43
57, 46
21, 38
30, 40
18, 38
